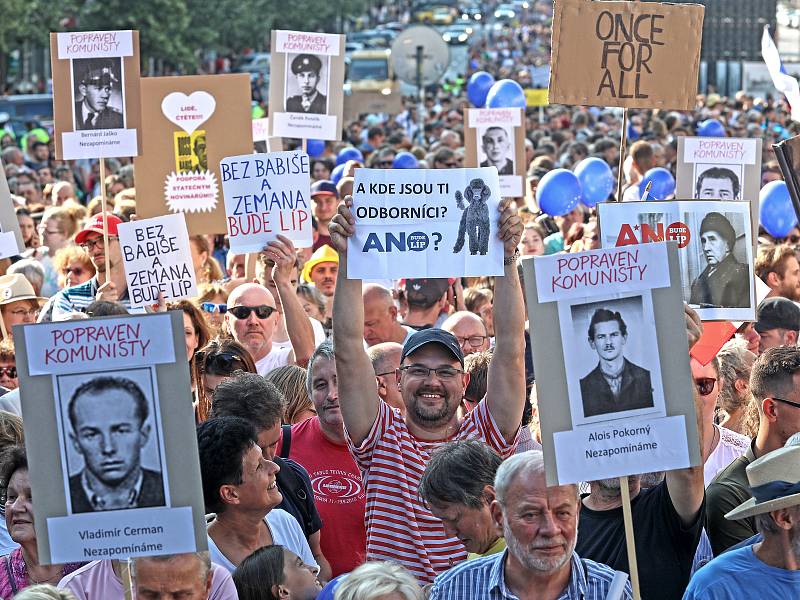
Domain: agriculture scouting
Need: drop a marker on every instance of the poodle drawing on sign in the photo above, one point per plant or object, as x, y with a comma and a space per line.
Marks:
475, 219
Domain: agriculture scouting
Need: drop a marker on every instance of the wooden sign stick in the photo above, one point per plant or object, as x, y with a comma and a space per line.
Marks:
629, 540
103, 208
623, 139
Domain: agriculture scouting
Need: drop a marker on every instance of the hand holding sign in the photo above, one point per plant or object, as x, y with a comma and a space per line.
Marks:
694, 326
107, 292
342, 226
281, 252
510, 227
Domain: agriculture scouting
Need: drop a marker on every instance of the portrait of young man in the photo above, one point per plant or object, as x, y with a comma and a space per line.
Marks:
306, 70
96, 81
496, 147
718, 183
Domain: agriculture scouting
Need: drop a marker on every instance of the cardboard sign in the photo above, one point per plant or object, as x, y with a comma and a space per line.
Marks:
425, 223
720, 169
495, 137
373, 103
192, 123
642, 419
96, 103
158, 259
11, 242
536, 97
82, 382
714, 243
306, 85
261, 134
630, 54
267, 195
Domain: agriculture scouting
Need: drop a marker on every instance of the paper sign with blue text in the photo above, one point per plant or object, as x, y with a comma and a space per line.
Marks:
267, 195
425, 223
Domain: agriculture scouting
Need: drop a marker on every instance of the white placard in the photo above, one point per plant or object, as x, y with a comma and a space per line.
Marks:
94, 44
511, 186
304, 42
584, 274
591, 453
99, 143
261, 129
267, 195
494, 116
76, 346
720, 151
8, 244
425, 223
158, 259
307, 126
121, 534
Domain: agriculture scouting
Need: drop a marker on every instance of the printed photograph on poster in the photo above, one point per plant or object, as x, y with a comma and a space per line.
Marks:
717, 182
112, 442
190, 151
307, 83
613, 367
98, 90
496, 148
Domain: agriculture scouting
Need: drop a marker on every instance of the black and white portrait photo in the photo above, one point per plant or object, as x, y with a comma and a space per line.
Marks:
112, 441
97, 85
611, 356
307, 83
717, 261
496, 148
718, 182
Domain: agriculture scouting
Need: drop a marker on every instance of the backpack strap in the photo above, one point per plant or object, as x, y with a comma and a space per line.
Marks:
286, 444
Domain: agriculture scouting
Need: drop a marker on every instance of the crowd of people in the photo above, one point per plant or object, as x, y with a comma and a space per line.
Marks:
380, 441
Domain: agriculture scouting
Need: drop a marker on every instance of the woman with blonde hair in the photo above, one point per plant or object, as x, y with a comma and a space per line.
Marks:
206, 268
212, 299
379, 581
291, 380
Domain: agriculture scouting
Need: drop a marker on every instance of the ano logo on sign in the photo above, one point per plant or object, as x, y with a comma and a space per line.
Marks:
674, 232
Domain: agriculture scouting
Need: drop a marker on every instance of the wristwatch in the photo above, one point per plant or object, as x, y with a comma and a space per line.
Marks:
508, 260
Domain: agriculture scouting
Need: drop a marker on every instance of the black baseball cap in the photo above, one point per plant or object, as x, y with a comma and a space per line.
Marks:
434, 335
777, 313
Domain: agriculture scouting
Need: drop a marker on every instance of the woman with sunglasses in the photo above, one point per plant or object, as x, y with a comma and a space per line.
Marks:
8, 366
212, 299
213, 364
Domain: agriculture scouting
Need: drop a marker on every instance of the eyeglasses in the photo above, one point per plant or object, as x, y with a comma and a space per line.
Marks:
789, 402
89, 245
705, 385
210, 307
44, 230
223, 361
77, 271
21, 312
793, 239
474, 340
8, 372
382, 374
384, 163
423, 372
243, 312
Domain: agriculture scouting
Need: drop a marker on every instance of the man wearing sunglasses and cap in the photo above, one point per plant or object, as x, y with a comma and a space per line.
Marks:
93, 111
252, 314
392, 450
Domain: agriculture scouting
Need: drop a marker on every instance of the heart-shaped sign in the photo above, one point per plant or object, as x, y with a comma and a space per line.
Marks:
188, 112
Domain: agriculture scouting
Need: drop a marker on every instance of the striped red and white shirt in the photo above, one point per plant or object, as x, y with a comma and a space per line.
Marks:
399, 526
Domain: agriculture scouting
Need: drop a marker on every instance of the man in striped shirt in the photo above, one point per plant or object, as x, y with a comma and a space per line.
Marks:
540, 526
391, 450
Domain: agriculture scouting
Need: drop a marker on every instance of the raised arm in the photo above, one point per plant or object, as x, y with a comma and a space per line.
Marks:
506, 377
358, 391
298, 326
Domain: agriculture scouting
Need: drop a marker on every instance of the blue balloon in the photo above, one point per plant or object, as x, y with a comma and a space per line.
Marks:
337, 172
663, 184
506, 93
349, 153
405, 160
775, 210
329, 590
558, 192
315, 148
711, 128
478, 88
596, 179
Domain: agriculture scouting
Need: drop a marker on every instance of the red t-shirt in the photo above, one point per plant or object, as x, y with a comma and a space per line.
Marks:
338, 494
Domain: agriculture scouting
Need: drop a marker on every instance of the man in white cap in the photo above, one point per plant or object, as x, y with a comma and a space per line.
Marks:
770, 568
18, 302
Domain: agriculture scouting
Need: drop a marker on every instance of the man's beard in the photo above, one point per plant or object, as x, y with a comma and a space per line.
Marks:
648, 480
524, 554
432, 417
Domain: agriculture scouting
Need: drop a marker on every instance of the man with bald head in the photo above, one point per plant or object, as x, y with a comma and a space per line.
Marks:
380, 317
252, 315
470, 331
385, 359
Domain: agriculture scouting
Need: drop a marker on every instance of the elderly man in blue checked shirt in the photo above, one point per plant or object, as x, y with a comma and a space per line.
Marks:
540, 525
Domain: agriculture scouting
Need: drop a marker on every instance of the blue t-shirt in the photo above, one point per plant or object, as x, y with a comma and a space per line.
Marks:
725, 577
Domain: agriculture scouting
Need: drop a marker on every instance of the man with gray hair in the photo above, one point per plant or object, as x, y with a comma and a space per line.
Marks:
186, 576
540, 526
385, 358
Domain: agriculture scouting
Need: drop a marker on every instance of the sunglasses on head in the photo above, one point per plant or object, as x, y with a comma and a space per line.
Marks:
210, 307
705, 385
8, 372
243, 312
222, 361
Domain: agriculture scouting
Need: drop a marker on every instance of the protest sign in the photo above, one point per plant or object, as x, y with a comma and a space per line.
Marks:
96, 102
306, 85
720, 169
495, 137
191, 124
11, 242
373, 102
267, 195
536, 97
157, 259
714, 243
628, 54
425, 223
83, 381
611, 311
261, 134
